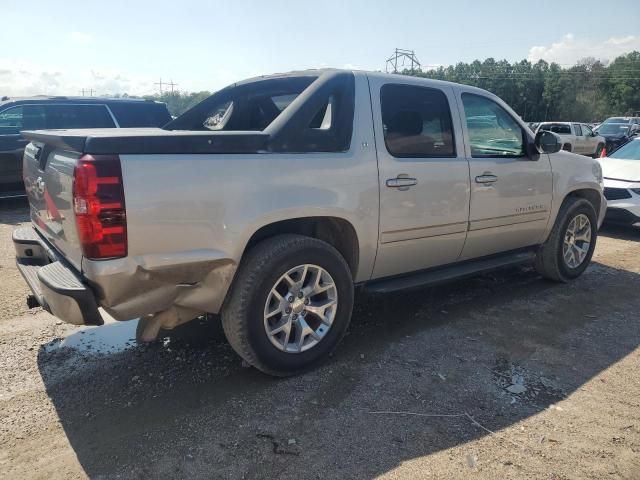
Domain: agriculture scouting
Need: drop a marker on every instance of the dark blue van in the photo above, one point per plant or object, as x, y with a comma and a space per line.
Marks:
37, 113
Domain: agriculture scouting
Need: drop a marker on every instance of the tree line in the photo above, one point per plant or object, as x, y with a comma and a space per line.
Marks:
589, 91
586, 92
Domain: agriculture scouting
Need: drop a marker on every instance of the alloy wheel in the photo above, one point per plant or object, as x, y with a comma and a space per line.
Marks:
300, 308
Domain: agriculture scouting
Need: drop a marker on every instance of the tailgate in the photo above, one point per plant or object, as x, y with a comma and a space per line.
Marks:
48, 177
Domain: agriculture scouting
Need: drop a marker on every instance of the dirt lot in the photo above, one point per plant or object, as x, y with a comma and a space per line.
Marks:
500, 376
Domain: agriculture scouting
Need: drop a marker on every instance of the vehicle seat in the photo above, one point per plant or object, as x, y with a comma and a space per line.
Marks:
404, 134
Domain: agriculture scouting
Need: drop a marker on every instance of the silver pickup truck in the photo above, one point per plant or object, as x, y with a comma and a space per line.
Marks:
275, 197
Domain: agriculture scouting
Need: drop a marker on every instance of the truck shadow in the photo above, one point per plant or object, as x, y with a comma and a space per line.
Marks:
621, 232
186, 408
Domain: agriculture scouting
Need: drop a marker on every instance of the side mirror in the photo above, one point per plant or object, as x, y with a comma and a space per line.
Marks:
547, 142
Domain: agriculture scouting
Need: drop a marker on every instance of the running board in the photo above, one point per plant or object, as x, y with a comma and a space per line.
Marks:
450, 272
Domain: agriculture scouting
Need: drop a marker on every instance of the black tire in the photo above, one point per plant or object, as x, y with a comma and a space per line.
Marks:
259, 271
566, 147
549, 260
599, 149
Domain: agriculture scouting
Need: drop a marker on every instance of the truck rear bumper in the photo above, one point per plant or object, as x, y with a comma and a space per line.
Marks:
54, 283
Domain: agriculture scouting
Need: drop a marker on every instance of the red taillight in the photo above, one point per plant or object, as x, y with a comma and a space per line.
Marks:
98, 202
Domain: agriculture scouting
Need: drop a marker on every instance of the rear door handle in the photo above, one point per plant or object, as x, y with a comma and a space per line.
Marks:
486, 178
402, 183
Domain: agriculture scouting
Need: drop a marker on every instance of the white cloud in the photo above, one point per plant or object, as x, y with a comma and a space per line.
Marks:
571, 49
18, 78
79, 37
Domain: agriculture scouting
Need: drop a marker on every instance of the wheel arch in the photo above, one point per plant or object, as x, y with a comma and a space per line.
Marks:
590, 194
336, 231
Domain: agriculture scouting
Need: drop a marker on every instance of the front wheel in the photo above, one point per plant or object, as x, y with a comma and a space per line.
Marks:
569, 248
290, 304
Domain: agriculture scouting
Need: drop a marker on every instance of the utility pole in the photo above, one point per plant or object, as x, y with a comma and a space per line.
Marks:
160, 84
87, 92
406, 57
171, 84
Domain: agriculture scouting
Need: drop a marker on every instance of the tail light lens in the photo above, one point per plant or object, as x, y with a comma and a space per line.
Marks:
98, 203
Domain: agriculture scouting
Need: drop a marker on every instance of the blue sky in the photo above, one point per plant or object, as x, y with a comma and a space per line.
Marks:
117, 46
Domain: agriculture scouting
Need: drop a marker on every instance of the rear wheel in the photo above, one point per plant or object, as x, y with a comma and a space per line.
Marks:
290, 304
569, 248
566, 147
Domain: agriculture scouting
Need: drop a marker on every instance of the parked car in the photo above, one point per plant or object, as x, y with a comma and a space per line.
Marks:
621, 171
618, 130
36, 113
576, 137
271, 200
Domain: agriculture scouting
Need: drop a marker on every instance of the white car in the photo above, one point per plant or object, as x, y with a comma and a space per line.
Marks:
576, 137
621, 171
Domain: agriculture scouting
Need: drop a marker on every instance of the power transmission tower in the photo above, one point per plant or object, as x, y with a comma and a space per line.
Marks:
403, 58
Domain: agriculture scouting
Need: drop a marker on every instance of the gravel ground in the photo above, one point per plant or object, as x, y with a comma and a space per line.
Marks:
500, 376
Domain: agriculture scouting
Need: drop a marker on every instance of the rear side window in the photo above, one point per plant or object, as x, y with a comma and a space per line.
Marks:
320, 121
492, 131
416, 121
78, 116
578, 129
140, 114
22, 117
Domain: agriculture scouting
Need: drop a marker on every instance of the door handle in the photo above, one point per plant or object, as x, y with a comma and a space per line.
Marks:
402, 183
486, 178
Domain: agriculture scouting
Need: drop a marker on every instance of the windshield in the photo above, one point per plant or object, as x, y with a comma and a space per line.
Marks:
614, 128
630, 151
616, 120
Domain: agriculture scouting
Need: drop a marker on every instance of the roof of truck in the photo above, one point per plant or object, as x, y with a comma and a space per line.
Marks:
388, 76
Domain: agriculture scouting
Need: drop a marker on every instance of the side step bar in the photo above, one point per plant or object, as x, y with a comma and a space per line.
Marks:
450, 272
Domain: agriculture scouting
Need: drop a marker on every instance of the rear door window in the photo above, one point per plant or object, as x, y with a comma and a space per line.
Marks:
416, 121
78, 116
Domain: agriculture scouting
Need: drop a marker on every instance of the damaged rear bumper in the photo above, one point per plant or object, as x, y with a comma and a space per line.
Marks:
55, 284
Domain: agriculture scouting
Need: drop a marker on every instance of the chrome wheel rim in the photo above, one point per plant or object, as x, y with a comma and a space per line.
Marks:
300, 308
577, 240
